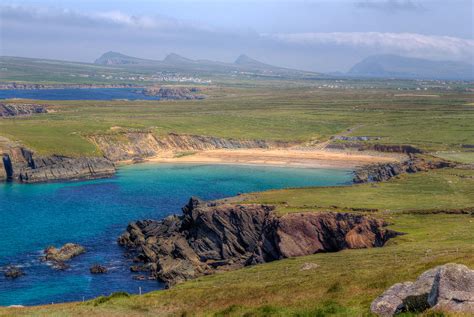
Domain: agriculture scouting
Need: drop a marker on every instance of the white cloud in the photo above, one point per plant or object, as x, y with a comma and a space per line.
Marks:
399, 43
390, 5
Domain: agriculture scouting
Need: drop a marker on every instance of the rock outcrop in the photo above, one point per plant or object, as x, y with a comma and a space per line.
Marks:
16, 110
211, 236
130, 145
359, 144
13, 272
98, 269
58, 257
174, 92
22, 165
448, 288
383, 172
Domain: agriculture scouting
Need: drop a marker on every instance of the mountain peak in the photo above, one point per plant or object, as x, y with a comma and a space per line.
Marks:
115, 58
175, 58
244, 60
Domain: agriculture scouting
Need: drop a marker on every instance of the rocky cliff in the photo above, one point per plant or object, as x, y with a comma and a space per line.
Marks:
22, 165
211, 236
130, 145
383, 172
15, 110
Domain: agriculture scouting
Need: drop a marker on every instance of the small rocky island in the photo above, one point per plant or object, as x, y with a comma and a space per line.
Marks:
214, 236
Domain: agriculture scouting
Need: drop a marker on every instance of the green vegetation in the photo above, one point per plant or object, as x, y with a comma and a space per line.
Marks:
296, 114
343, 283
435, 190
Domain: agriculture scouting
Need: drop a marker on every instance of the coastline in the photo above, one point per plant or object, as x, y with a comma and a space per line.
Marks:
278, 157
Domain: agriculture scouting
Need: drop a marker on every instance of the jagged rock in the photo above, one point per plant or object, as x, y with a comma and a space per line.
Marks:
22, 165
174, 92
98, 269
448, 287
383, 172
453, 289
13, 272
17, 110
65, 253
212, 236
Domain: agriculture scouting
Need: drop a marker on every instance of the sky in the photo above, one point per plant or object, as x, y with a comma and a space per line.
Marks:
317, 35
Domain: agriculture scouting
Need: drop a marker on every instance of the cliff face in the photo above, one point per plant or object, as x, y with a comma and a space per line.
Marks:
383, 172
15, 110
22, 165
209, 237
130, 145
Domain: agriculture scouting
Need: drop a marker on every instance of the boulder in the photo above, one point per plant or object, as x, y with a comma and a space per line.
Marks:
448, 288
98, 269
13, 272
63, 254
453, 289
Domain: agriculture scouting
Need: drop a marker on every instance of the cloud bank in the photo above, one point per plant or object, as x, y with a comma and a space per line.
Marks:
67, 34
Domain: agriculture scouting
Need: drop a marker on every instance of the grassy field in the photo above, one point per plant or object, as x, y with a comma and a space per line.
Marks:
344, 283
296, 114
435, 190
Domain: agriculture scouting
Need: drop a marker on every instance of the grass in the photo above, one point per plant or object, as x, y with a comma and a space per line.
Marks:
344, 283
435, 190
291, 114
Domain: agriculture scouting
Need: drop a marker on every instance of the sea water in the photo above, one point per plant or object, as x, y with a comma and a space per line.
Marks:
94, 214
77, 94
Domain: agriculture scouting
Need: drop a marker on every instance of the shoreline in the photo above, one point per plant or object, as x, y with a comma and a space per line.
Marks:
294, 158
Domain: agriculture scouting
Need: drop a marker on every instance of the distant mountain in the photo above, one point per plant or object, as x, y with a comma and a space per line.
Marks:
177, 62
245, 61
114, 58
394, 66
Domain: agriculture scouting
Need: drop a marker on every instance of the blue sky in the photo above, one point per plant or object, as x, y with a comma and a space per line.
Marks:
307, 34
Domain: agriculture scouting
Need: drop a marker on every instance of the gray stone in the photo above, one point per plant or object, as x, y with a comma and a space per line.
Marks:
391, 301
453, 289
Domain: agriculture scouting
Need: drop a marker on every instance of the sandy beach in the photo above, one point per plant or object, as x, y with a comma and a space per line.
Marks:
281, 157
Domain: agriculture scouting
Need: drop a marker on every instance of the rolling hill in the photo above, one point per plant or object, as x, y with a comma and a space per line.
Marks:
394, 66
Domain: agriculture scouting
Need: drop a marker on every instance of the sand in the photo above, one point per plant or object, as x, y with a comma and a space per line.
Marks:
281, 157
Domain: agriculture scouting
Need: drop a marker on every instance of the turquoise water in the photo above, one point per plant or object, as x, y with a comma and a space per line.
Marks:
95, 213
77, 94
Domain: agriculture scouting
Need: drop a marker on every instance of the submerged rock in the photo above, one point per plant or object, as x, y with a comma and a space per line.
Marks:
448, 287
98, 269
13, 272
63, 254
211, 236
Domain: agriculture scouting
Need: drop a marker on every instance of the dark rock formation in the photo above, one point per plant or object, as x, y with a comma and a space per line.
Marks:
353, 143
22, 165
174, 92
209, 237
59, 256
448, 287
13, 272
383, 172
98, 269
16, 110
